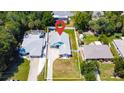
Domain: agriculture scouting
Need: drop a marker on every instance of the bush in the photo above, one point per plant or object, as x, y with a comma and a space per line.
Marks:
119, 67
90, 76
88, 69
104, 39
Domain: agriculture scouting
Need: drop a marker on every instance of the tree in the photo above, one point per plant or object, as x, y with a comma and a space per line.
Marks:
31, 25
119, 67
47, 19
88, 69
7, 48
108, 24
37, 23
94, 26
104, 39
81, 20
14, 28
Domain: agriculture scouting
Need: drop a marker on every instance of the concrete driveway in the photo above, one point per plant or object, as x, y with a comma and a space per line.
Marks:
53, 54
36, 66
34, 62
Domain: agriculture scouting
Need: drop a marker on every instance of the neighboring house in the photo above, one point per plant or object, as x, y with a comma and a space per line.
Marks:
60, 42
97, 52
33, 44
119, 45
62, 15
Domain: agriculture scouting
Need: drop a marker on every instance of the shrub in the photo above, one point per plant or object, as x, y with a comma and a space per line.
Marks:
119, 67
88, 69
104, 39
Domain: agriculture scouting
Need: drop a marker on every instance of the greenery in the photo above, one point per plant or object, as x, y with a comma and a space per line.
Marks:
13, 26
7, 48
107, 72
119, 67
23, 70
114, 51
111, 22
89, 39
108, 24
104, 39
88, 69
81, 20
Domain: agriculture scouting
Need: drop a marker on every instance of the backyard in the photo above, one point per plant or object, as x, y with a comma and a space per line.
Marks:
68, 69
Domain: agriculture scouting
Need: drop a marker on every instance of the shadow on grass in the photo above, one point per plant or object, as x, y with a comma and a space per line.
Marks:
9, 72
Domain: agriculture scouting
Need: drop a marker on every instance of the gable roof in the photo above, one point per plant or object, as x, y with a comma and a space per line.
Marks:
97, 52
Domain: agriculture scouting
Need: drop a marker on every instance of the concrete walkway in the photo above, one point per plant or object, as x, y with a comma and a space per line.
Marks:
53, 54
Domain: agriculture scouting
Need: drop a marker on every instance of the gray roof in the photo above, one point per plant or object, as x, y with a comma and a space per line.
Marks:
64, 37
119, 44
33, 44
63, 13
97, 52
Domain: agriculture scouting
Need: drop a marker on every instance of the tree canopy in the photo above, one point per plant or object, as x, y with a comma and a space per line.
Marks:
109, 23
81, 20
88, 69
13, 25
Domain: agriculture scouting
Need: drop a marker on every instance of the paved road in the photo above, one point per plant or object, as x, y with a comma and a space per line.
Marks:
53, 54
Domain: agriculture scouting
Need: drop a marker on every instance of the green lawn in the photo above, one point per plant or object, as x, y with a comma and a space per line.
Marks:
22, 73
106, 72
90, 38
68, 69
72, 39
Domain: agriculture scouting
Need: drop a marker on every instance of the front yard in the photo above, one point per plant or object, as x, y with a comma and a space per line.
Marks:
22, 72
106, 72
68, 69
